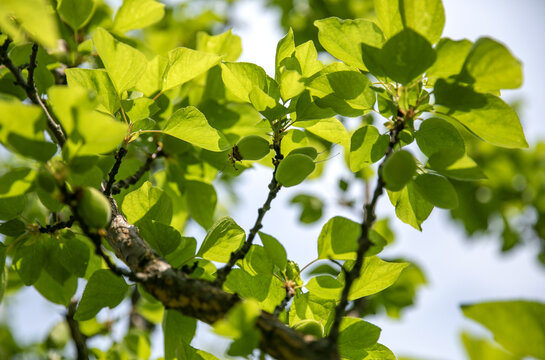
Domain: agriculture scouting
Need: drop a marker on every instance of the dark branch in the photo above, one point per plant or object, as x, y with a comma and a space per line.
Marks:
133, 179
274, 188
364, 243
57, 226
77, 336
54, 127
119, 155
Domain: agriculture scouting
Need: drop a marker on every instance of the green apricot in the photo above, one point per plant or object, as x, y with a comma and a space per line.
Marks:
252, 147
307, 150
398, 170
310, 327
293, 169
94, 208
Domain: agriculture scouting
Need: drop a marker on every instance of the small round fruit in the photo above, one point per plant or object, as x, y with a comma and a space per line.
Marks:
94, 208
252, 147
293, 169
310, 327
307, 150
398, 170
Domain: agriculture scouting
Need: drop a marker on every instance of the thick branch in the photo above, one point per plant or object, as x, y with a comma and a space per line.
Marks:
54, 127
77, 336
199, 298
274, 188
133, 179
364, 243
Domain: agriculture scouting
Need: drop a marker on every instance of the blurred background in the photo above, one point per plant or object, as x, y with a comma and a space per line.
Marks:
491, 251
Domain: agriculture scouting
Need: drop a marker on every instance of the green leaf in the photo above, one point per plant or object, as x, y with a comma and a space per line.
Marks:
226, 44
483, 349
241, 78
398, 170
367, 146
84, 126
257, 261
190, 125
161, 237
56, 291
35, 18
98, 81
519, 326
311, 207
437, 190
427, 17
307, 59
451, 55
201, 202
13, 227
339, 239
25, 136
294, 169
29, 259
239, 324
355, 337
436, 135
184, 252
147, 203
137, 14
266, 289
103, 289
490, 66
406, 56
151, 80
140, 109
76, 13
463, 168
411, 207
344, 38
73, 254
16, 182
307, 306
224, 237
177, 328
486, 115
274, 250
346, 91
379, 352
10, 207
186, 64
284, 50
330, 129
325, 286
124, 64
375, 276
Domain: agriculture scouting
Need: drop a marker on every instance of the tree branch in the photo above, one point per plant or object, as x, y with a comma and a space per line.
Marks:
57, 226
77, 336
199, 298
274, 188
364, 243
119, 155
54, 127
133, 179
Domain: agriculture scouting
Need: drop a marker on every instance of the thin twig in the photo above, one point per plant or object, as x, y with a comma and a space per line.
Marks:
54, 127
58, 226
119, 155
133, 179
274, 188
80, 340
364, 243
289, 286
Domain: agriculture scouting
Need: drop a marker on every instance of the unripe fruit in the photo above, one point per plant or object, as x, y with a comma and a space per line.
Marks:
293, 169
310, 327
252, 147
94, 208
307, 150
398, 170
